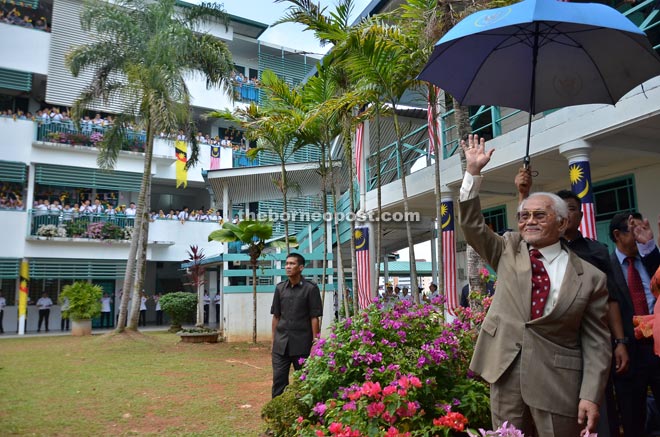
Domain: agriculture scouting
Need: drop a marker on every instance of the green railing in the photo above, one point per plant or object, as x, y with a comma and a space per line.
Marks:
240, 159
411, 153
88, 135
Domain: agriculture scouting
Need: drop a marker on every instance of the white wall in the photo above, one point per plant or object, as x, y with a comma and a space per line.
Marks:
237, 313
12, 239
24, 49
16, 137
183, 235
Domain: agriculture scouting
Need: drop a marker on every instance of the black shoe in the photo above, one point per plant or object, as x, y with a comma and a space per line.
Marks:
47, 330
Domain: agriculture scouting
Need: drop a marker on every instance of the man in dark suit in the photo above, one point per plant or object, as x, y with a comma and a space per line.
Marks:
544, 345
634, 262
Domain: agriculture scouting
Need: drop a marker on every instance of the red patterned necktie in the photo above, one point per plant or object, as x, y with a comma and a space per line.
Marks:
636, 288
540, 284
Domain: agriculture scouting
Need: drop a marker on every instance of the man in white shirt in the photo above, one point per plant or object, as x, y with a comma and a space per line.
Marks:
159, 310
207, 304
544, 346
216, 300
131, 210
183, 215
44, 303
3, 304
106, 311
143, 310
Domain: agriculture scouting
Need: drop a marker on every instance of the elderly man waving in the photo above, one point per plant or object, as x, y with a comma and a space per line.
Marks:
544, 346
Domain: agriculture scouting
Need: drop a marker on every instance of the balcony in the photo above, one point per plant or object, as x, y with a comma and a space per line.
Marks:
88, 135
79, 235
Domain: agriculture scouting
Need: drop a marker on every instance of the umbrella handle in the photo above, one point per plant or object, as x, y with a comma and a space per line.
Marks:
526, 161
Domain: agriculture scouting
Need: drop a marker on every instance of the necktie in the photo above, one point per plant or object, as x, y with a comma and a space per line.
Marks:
540, 284
636, 288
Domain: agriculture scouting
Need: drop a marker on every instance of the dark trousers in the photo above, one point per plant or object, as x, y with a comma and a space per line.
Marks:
143, 318
217, 313
106, 319
44, 315
281, 367
632, 388
2, 314
206, 314
64, 323
159, 317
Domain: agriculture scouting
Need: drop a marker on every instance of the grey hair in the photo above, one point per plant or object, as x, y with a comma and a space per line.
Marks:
558, 204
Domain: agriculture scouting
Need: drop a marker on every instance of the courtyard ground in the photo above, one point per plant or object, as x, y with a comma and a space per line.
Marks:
131, 384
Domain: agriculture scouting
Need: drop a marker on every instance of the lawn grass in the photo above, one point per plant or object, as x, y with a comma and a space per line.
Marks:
132, 384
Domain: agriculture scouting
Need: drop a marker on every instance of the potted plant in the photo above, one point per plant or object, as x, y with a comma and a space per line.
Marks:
180, 306
84, 304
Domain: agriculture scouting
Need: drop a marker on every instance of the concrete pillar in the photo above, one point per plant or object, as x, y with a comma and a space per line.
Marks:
579, 172
447, 226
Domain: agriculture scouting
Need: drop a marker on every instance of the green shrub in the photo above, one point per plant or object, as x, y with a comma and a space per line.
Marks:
281, 413
392, 370
84, 300
180, 306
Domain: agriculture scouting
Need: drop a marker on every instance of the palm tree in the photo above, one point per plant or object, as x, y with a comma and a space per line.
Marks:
144, 51
334, 28
196, 272
255, 234
273, 126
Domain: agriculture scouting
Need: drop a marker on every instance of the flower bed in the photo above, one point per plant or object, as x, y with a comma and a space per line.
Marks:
400, 371
198, 335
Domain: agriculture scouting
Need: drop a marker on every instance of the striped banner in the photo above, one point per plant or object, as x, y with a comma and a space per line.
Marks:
215, 158
449, 253
359, 137
181, 152
580, 176
363, 267
23, 288
433, 125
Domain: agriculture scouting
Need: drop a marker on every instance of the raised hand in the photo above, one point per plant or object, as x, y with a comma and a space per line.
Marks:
641, 230
523, 181
476, 156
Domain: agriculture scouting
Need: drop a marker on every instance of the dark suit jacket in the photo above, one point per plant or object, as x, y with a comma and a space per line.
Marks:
565, 355
651, 263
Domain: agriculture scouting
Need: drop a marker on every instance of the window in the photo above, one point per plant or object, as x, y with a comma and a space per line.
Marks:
53, 287
496, 218
8, 289
614, 196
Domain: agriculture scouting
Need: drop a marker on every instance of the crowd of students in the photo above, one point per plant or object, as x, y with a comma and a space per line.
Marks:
22, 18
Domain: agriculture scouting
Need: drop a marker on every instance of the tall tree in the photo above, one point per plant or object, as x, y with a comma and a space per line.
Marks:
143, 52
273, 125
333, 28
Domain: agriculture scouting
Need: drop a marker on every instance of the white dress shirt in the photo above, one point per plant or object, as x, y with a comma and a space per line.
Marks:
554, 258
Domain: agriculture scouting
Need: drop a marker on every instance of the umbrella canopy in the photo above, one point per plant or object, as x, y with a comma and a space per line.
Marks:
542, 54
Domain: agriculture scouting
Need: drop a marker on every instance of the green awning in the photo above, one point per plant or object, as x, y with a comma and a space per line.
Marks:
52, 268
80, 177
13, 171
15, 80
9, 268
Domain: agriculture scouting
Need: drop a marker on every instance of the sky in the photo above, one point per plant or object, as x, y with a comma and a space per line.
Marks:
286, 35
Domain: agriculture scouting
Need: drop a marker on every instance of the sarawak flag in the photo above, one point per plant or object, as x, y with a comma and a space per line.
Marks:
215, 157
181, 149
580, 175
23, 296
363, 285
449, 253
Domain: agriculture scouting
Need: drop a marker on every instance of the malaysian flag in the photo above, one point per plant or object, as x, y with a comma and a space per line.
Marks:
580, 176
449, 253
215, 157
359, 136
433, 125
363, 285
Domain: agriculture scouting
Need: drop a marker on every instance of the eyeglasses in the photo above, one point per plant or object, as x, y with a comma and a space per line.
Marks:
539, 215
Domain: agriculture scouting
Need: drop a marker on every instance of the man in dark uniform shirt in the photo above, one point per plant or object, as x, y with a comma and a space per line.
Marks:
595, 253
296, 310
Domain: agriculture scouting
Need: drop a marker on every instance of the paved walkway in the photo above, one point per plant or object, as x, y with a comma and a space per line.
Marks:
98, 331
